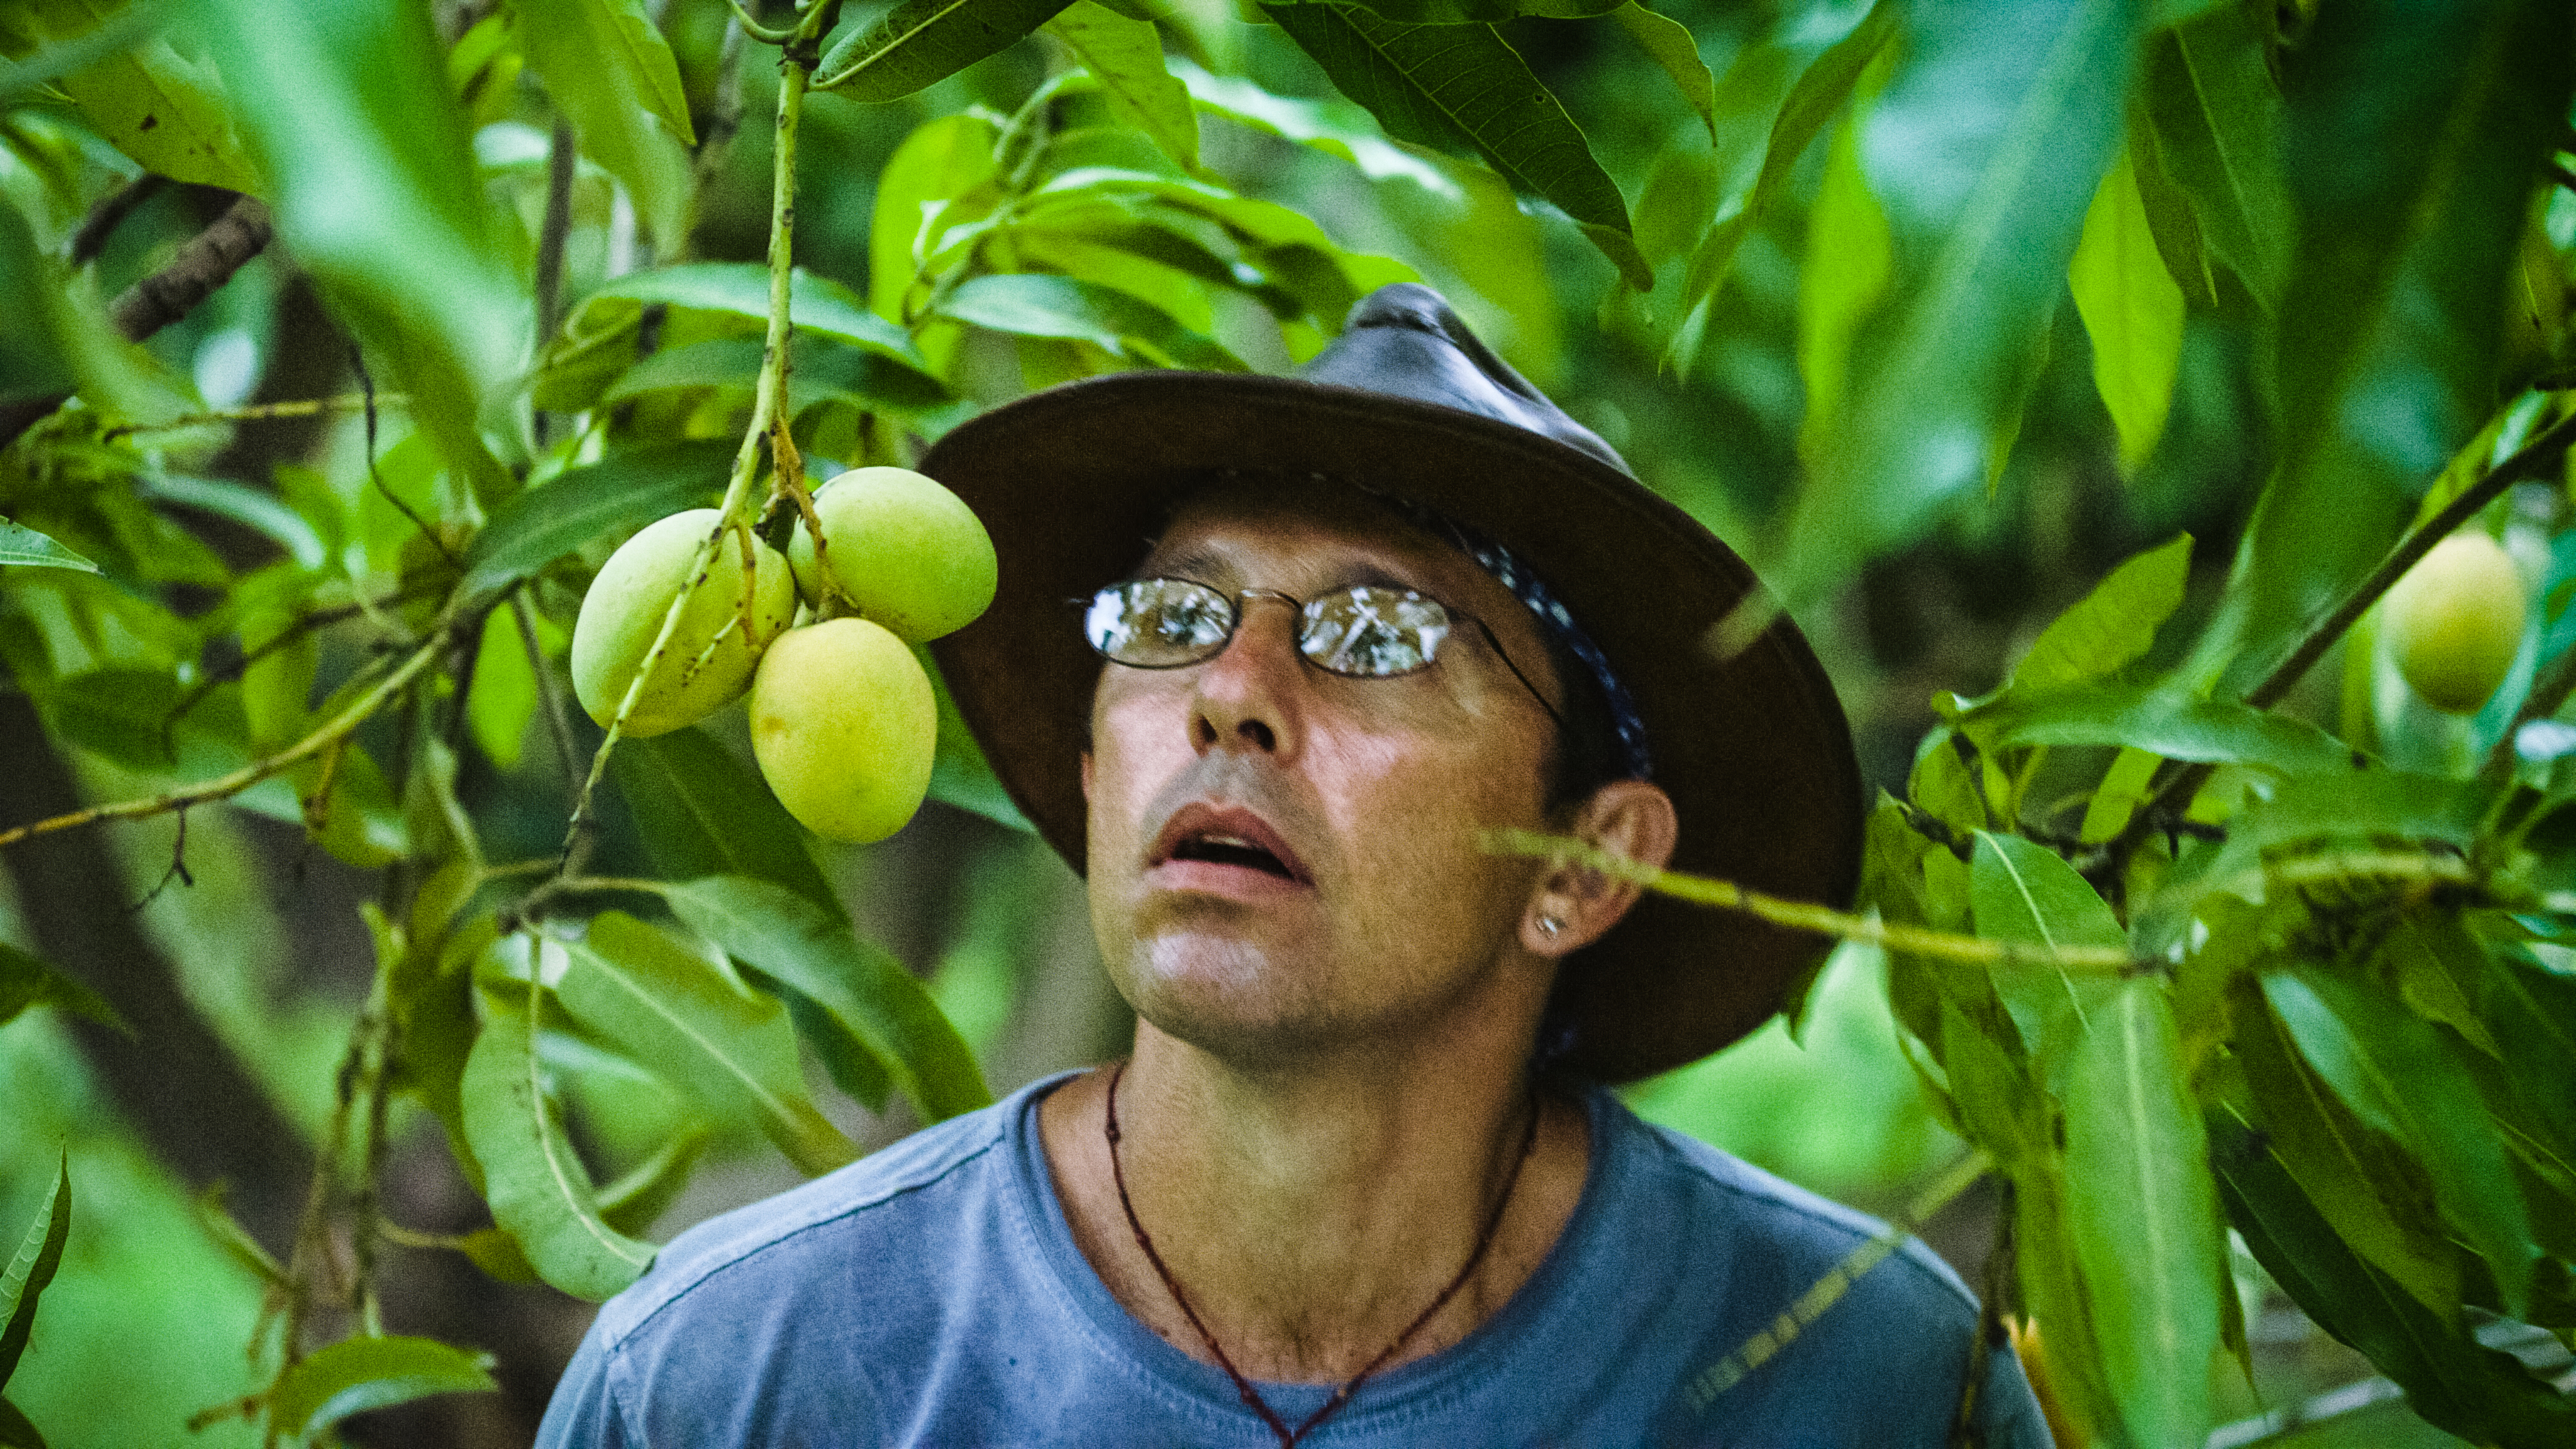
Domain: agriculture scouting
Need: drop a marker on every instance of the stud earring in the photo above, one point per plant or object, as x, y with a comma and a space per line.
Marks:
1548, 926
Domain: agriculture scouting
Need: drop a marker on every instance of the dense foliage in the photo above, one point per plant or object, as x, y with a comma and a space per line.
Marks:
2231, 955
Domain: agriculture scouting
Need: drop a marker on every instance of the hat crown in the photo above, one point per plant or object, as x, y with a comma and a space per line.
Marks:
1404, 341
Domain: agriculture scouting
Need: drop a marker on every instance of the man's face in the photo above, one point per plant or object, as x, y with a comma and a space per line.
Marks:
1283, 860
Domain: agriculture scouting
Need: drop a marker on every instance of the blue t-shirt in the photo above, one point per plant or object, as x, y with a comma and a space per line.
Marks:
932, 1294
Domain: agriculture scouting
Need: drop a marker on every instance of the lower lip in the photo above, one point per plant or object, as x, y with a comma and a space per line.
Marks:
1235, 882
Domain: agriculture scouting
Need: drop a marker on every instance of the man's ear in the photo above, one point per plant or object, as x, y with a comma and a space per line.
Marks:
1632, 819
1086, 777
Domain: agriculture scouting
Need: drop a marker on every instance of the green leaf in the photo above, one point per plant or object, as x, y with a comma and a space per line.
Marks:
16, 1432
890, 54
537, 1188
2166, 722
1033, 305
122, 32
1991, 1088
2412, 138
31, 1267
2216, 118
2023, 891
373, 187
2482, 1394
817, 368
146, 99
941, 160
2441, 973
2113, 625
1126, 56
701, 811
1463, 89
612, 75
359, 1374
35, 360
252, 508
2532, 1012
29, 549
1316, 125
959, 773
1820, 91
27, 980
60, 339
235, 1240
131, 715
1985, 157
2145, 1215
791, 941
635, 1200
2053, 1293
1669, 44
2170, 218
814, 304
1841, 284
2133, 311
2394, 1071
2374, 1195
613, 496
732, 1048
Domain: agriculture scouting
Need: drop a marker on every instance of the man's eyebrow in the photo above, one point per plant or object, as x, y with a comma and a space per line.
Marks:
1203, 564
1195, 562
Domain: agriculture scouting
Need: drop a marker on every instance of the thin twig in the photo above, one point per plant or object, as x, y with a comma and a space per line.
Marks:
338, 728
1704, 1387
552, 234
732, 515
1803, 916
300, 626
259, 412
549, 694
367, 404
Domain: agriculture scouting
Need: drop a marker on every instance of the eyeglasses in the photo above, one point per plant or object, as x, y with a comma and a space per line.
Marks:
1366, 631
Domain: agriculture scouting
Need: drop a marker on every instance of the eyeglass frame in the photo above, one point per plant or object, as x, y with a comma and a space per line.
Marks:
1234, 607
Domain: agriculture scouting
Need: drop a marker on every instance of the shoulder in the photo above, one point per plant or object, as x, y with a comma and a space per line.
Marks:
900, 1193
1774, 1237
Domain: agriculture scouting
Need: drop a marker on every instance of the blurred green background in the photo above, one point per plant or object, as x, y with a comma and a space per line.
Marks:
148, 1323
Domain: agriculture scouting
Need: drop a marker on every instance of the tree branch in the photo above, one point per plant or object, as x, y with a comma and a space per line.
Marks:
339, 728
205, 263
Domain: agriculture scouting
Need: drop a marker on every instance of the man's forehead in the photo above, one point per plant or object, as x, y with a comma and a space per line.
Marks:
1337, 535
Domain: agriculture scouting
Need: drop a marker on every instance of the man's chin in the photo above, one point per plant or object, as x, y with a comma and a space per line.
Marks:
1234, 1000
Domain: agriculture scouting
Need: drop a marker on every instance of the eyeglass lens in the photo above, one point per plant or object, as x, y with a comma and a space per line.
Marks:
1365, 630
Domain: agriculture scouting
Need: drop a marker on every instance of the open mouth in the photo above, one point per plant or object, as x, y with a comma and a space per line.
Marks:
1234, 850
1227, 836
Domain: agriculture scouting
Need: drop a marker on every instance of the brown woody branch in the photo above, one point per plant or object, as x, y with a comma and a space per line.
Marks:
205, 263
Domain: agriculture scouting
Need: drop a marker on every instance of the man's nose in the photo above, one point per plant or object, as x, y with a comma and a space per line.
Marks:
1247, 695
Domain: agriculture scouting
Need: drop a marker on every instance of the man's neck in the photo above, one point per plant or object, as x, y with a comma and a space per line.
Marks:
1310, 1215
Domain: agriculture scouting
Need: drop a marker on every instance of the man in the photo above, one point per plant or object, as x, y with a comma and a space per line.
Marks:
1358, 1182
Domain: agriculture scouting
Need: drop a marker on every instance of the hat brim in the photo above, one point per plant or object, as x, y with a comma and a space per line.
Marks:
1075, 482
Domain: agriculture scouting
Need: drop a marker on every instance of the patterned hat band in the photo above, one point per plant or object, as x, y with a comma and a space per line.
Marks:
1554, 620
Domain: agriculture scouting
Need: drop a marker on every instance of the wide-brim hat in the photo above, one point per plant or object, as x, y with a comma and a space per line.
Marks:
1075, 482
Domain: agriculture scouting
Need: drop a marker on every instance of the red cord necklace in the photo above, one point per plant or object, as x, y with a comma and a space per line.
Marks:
1251, 1396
